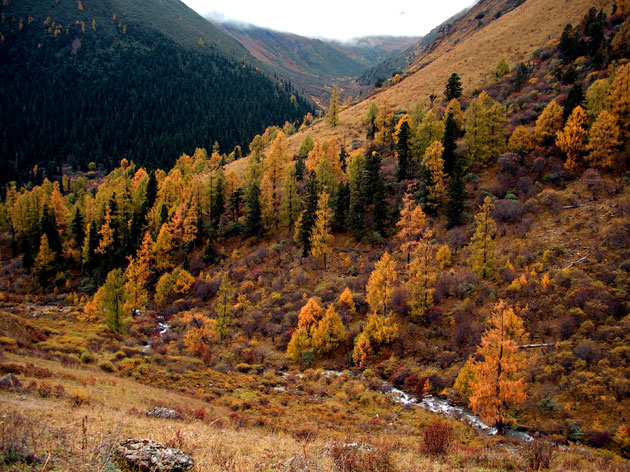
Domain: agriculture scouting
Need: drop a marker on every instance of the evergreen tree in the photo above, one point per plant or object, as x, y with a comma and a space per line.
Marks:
150, 194
253, 220
300, 169
455, 196
357, 182
449, 141
343, 158
77, 227
453, 87
307, 219
342, 206
574, 99
48, 226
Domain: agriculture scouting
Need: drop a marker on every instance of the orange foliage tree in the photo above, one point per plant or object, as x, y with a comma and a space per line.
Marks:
572, 139
497, 381
310, 314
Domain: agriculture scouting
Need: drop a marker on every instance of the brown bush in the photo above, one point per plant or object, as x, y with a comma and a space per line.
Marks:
437, 438
538, 455
360, 458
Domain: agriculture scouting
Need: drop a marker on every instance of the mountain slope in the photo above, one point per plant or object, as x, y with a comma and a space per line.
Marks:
98, 81
472, 52
313, 65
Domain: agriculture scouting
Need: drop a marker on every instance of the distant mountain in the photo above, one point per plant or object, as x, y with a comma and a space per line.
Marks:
313, 65
88, 80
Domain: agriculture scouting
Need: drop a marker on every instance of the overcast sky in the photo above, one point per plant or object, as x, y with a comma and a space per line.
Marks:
336, 19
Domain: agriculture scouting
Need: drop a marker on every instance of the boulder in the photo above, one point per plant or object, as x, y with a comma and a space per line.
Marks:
159, 412
10, 382
147, 455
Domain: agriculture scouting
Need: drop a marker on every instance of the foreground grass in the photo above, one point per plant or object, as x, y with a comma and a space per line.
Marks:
75, 423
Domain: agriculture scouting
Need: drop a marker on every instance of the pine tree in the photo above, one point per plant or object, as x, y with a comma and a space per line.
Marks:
548, 124
44, 262
572, 139
434, 183
342, 207
575, 98
332, 116
603, 141
308, 216
379, 286
77, 227
497, 378
357, 181
449, 142
481, 246
453, 87
456, 196
224, 308
253, 220
454, 108
329, 333
402, 137
48, 226
321, 239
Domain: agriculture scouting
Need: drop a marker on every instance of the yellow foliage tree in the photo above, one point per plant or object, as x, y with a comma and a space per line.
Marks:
619, 98
163, 250
443, 256
603, 141
136, 277
481, 247
485, 129
199, 334
310, 314
329, 334
321, 238
379, 286
434, 164
106, 235
384, 123
299, 349
379, 330
455, 109
44, 261
521, 141
497, 382
422, 276
548, 124
346, 300
572, 139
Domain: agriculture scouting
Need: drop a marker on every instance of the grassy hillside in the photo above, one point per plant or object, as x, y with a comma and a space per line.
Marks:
513, 36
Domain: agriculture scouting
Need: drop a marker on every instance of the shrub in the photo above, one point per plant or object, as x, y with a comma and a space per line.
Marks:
437, 438
508, 210
16, 436
78, 396
107, 366
85, 357
360, 458
538, 455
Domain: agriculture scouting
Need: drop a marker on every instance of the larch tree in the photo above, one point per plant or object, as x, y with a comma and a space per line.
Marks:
321, 238
332, 117
379, 286
604, 139
428, 131
224, 308
199, 333
300, 349
597, 97
136, 277
482, 247
370, 120
521, 141
106, 233
548, 124
433, 164
497, 380
384, 125
112, 298
310, 314
572, 139
378, 331
485, 129
403, 138
290, 203
44, 262
163, 250
329, 334
422, 275
454, 108
346, 300
411, 225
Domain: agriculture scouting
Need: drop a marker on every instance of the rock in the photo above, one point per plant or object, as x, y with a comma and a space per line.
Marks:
10, 382
159, 412
147, 455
